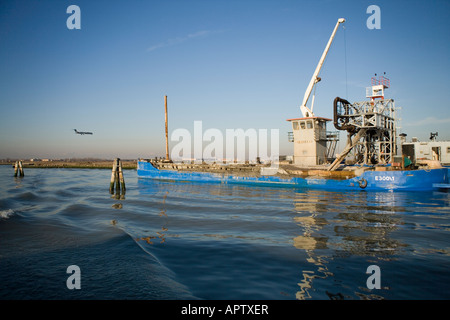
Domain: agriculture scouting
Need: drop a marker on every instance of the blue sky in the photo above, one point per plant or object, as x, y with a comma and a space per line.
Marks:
232, 64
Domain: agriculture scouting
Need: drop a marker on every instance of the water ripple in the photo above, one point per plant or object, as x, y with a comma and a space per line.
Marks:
164, 240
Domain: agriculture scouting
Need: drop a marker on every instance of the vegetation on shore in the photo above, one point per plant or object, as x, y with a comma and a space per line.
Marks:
74, 163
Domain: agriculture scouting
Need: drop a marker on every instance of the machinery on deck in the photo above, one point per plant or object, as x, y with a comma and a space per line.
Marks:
371, 126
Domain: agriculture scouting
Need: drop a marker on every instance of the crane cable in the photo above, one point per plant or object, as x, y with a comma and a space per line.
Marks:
345, 66
345, 63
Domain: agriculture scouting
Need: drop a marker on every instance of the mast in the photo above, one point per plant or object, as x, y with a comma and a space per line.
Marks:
167, 131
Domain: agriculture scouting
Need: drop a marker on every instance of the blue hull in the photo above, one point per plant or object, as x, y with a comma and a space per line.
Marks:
417, 180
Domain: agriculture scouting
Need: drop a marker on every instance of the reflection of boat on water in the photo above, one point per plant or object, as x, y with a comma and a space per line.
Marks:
362, 230
372, 138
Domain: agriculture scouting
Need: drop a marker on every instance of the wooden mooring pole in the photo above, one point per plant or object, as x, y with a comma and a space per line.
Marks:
117, 178
122, 180
18, 168
113, 177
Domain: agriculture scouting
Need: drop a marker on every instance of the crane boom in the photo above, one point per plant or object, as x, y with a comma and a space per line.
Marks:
304, 109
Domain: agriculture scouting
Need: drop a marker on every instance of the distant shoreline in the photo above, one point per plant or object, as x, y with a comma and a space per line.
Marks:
79, 164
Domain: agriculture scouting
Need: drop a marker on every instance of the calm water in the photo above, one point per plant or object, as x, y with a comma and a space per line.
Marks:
169, 240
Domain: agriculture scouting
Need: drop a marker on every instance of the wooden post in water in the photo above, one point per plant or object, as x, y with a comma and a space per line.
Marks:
167, 130
18, 168
21, 169
113, 177
117, 178
122, 180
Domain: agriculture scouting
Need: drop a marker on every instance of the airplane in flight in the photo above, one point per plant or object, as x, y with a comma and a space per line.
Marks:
82, 132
